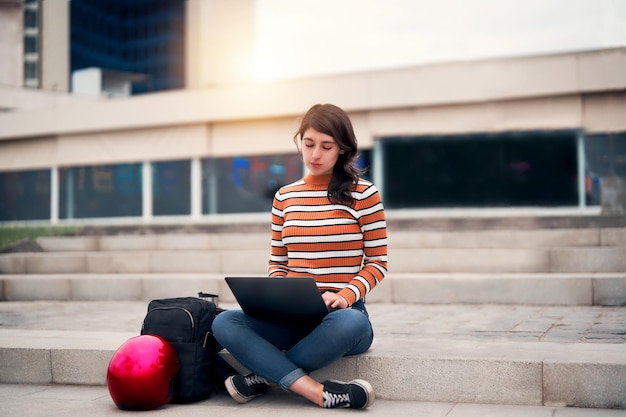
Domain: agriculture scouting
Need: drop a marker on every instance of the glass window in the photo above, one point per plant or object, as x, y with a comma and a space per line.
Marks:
606, 157
100, 191
30, 45
25, 195
606, 154
171, 187
32, 70
508, 169
127, 32
364, 163
31, 18
246, 184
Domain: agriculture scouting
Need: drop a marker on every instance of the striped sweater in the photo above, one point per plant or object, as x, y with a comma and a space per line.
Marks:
343, 248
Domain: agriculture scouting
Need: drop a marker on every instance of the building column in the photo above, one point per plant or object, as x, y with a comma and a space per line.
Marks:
146, 189
196, 188
582, 189
377, 166
54, 195
55, 46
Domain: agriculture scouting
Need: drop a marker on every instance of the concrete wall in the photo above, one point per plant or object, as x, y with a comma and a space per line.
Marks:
578, 91
219, 42
274, 135
12, 45
54, 45
557, 91
55, 51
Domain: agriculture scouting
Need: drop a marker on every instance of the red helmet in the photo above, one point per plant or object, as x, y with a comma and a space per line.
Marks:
141, 373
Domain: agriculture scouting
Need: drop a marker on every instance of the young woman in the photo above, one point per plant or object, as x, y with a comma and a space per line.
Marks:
330, 225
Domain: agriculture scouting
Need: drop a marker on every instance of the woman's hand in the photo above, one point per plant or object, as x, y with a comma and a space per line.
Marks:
334, 301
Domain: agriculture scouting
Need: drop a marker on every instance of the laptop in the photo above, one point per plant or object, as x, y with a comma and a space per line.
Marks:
282, 299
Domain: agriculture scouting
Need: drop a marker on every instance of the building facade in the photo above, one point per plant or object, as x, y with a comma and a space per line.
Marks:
141, 37
543, 132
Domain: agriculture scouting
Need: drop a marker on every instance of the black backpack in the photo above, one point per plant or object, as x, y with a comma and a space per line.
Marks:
186, 322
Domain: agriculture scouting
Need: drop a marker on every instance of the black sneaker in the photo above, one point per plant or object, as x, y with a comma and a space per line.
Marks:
353, 394
243, 388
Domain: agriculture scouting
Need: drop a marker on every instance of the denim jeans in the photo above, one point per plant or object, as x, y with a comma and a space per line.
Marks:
284, 352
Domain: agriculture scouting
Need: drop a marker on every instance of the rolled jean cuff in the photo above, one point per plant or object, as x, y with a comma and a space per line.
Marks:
290, 378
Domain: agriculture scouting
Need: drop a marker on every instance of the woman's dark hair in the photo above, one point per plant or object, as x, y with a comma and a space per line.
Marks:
333, 121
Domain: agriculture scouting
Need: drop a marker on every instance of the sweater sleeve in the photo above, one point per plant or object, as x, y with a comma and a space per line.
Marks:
371, 217
277, 265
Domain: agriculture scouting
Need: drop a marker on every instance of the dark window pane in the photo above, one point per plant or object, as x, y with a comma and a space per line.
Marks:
25, 195
364, 162
606, 154
100, 191
30, 44
606, 157
32, 70
246, 184
514, 169
171, 187
31, 18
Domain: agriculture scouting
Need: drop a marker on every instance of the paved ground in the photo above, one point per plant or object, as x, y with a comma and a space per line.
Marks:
570, 324
81, 401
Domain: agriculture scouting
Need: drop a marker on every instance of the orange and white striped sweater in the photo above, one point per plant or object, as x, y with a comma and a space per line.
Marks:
343, 248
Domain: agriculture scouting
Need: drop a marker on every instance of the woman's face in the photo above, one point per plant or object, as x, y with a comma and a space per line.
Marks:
319, 152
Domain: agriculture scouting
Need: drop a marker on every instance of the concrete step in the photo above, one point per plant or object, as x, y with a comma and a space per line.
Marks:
591, 249
556, 260
512, 239
401, 260
607, 289
520, 355
176, 241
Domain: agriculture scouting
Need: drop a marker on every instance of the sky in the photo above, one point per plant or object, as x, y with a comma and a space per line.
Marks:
299, 38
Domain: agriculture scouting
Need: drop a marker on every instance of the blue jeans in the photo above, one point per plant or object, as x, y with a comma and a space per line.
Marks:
284, 352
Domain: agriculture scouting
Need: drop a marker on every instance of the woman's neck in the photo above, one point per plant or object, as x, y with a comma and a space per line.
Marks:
318, 179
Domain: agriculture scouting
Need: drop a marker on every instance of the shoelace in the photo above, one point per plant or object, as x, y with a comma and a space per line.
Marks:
331, 399
251, 380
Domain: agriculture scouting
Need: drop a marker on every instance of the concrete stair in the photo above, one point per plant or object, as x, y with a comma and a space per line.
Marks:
421, 353
492, 251
574, 276
599, 289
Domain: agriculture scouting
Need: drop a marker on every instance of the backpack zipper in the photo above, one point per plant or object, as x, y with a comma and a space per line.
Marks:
193, 322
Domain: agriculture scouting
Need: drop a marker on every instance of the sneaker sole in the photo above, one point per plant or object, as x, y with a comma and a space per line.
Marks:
368, 389
236, 395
